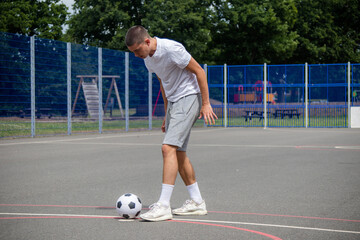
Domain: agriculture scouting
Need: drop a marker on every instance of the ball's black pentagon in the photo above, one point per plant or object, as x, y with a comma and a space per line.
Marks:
137, 214
131, 205
126, 216
119, 204
139, 200
127, 195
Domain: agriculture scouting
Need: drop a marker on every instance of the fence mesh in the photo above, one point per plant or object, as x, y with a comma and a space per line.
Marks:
243, 105
15, 91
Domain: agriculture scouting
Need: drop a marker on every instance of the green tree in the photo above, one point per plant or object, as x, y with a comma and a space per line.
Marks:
329, 31
253, 31
41, 18
185, 21
229, 31
103, 23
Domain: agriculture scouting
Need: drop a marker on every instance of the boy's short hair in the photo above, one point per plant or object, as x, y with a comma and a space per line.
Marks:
136, 34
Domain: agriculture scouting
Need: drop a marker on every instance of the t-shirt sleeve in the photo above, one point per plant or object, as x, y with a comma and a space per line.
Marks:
180, 56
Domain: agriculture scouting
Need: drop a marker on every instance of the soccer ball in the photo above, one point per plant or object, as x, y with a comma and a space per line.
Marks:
128, 205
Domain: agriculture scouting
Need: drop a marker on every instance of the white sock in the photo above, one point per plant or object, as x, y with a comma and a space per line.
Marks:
166, 192
194, 192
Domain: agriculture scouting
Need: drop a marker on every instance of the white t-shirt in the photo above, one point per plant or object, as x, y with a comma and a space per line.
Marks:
168, 63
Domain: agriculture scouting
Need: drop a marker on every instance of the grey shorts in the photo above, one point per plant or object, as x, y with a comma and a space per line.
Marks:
180, 117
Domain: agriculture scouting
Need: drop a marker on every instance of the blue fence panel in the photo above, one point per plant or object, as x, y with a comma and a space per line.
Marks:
113, 63
355, 84
15, 91
84, 71
215, 75
158, 108
245, 96
138, 93
328, 91
50, 86
286, 95
285, 103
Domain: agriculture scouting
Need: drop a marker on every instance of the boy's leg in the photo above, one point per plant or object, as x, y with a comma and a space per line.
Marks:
195, 206
161, 210
170, 164
186, 169
187, 173
177, 134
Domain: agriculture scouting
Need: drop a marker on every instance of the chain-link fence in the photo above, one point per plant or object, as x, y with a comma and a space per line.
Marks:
50, 87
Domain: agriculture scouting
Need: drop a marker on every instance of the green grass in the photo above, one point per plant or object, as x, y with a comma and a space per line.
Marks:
20, 127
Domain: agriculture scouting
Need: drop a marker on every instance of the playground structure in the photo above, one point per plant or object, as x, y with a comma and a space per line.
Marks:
256, 95
91, 94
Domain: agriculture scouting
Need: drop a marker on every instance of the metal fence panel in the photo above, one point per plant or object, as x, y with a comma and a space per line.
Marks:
328, 95
158, 108
84, 74
355, 84
286, 95
15, 89
52, 87
138, 93
245, 95
113, 90
215, 75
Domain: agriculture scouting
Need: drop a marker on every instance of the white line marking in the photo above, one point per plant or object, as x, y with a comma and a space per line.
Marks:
56, 215
268, 225
191, 220
120, 135
76, 141
347, 147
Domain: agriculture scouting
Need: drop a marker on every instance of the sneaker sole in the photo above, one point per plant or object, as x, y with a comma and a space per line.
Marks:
162, 218
194, 213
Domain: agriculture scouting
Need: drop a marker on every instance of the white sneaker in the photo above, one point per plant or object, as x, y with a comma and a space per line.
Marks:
191, 208
157, 212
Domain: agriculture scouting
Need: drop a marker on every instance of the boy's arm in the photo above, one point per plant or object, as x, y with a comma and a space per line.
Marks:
206, 109
165, 103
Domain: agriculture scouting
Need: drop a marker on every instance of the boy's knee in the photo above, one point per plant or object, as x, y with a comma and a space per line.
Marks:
168, 149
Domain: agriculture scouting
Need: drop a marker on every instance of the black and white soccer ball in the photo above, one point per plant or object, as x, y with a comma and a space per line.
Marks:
128, 205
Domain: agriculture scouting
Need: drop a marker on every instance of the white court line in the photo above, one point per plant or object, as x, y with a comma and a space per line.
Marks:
206, 145
313, 130
56, 215
119, 135
348, 147
75, 141
190, 220
267, 225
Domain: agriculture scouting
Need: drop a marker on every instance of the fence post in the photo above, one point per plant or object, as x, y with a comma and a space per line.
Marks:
126, 91
150, 99
265, 96
32, 79
206, 77
306, 96
349, 94
69, 87
225, 95
100, 89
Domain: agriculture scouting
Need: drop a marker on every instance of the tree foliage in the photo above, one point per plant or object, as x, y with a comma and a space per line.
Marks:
329, 31
254, 31
104, 23
185, 21
214, 31
42, 18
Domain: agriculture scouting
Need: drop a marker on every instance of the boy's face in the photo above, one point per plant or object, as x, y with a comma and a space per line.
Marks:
141, 50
